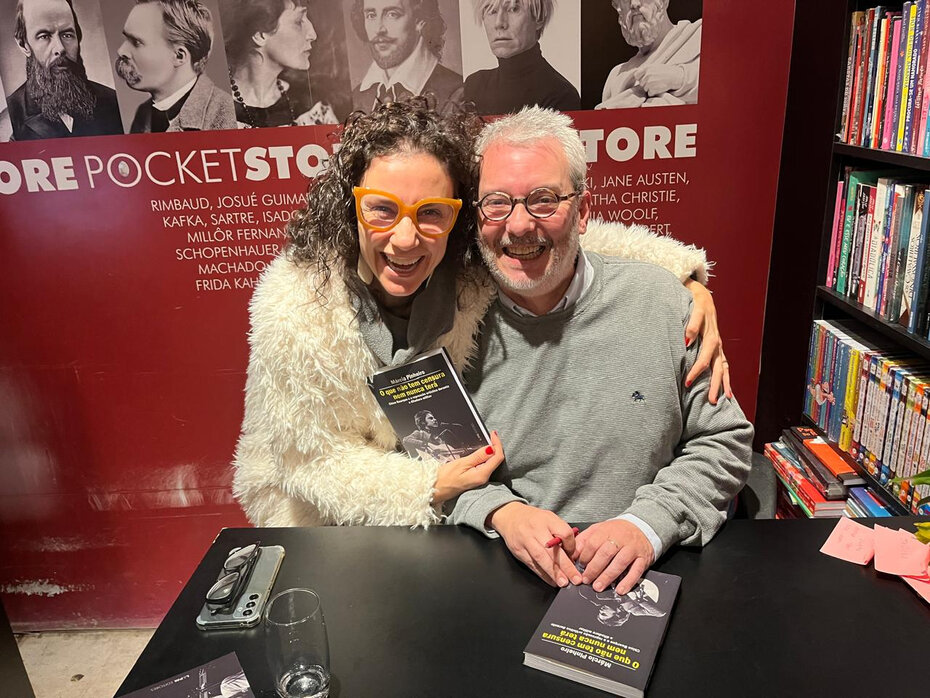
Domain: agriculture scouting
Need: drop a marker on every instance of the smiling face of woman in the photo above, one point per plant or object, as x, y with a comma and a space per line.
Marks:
289, 44
401, 258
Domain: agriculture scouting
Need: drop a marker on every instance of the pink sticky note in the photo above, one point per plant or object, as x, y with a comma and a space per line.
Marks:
921, 586
899, 552
850, 541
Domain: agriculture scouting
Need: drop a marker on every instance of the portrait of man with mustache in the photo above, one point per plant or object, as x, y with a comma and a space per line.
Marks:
406, 40
57, 99
165, 49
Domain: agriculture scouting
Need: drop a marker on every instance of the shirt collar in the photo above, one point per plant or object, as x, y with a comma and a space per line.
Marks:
169, 101
579, 286
412, 74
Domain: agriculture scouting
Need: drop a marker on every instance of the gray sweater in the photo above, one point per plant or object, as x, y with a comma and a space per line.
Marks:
592, 410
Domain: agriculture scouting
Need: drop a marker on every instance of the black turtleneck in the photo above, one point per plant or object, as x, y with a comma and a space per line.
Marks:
519, 81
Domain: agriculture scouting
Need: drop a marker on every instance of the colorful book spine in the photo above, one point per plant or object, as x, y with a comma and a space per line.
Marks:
850, 399
862, 392
903, 312
921, 277
910, 10
874, 19
865, 208
918, 12
845, 121
919, 105
881, 78
836, 235
894, 78
872, 242
903, 198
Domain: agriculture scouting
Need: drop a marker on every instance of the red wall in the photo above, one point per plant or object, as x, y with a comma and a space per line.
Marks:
121, 370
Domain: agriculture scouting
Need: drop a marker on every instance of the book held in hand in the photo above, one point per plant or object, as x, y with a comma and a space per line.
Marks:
427, 405
603, 640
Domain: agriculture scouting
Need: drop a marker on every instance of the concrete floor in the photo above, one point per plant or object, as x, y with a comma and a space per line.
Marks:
80, 664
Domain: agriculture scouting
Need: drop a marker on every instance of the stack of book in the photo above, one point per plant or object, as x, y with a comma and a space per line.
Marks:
863, 503
812, 488
878, 250
886, 97
872, 402
799, 484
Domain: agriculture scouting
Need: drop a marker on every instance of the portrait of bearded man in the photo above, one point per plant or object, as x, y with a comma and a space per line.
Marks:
666, 67
57, 100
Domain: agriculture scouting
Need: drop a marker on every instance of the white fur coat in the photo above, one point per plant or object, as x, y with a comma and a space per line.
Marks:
315, 447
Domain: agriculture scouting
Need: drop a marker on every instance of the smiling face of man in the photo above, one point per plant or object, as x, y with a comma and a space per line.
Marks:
532, 259
392, 31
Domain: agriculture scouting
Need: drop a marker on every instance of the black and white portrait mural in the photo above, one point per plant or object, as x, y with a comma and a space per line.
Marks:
653, 59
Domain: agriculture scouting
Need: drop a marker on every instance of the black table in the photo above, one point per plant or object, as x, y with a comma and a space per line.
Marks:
446, 612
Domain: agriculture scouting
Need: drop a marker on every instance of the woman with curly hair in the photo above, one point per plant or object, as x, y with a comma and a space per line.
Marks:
379, 267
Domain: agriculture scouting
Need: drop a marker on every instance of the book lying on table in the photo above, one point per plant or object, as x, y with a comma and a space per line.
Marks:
603, 640
221, 677
427, 405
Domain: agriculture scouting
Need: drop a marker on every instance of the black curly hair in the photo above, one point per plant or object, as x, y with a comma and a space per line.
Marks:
325, 232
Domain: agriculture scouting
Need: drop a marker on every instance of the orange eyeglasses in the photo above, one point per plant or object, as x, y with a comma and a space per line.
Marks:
380, 211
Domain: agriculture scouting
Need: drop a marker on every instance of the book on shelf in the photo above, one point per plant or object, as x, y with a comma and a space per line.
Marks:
812, 443
868, 502
828, 484
885, 94
427, 405
878, 245
799, 483
870, 402
786, 504
603, 640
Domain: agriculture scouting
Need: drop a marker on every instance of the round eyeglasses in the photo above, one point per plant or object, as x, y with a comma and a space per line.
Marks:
539, 203
380, 211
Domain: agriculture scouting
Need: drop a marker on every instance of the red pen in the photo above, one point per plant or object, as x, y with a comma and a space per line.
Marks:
558, 541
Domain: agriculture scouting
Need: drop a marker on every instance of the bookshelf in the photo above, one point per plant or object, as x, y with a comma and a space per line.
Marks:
812, 161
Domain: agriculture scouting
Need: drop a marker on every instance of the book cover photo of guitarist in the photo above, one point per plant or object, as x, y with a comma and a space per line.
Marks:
444, 441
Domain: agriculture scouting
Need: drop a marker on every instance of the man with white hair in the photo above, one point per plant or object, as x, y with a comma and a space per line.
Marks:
583, 357
523, 77
666, 67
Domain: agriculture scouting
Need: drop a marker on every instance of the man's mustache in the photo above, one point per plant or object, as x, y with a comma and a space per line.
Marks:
63, 61
127, 70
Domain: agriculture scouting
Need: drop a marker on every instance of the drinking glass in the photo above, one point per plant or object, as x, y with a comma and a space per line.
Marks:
297, 646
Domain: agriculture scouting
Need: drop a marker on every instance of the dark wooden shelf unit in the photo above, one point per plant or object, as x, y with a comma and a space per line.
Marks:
837, 306
887, 157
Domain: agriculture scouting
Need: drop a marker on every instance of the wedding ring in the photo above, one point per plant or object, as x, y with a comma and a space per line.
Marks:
611, 540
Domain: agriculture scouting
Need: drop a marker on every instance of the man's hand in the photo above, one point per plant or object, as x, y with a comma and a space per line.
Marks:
526, 530
609, 548
659, 79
